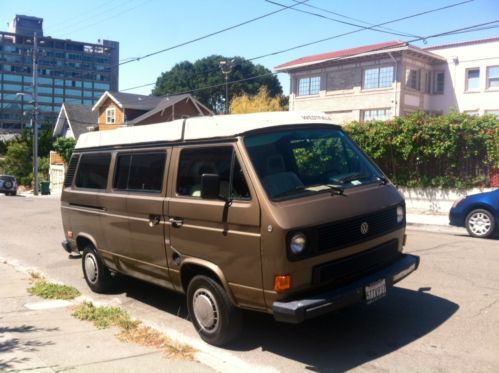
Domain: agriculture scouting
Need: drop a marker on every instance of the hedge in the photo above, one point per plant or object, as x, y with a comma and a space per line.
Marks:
452, 151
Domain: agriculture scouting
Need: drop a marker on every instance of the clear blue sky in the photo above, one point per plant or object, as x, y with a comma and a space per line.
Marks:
144, 26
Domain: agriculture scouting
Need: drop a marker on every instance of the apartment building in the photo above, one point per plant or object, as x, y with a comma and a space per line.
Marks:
395, 78
68, 71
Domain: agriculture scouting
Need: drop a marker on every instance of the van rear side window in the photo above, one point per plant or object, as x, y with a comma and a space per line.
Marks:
93, 170
140, 172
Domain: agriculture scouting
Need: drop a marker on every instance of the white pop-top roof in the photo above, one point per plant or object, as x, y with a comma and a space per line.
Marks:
198, 128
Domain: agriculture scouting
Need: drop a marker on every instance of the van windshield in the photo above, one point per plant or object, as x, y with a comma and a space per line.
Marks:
299, 162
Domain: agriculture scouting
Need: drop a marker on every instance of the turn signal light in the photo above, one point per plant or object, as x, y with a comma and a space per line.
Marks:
282, 283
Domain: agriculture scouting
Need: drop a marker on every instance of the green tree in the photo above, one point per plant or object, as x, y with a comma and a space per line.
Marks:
64, 146
195, 77
18, 162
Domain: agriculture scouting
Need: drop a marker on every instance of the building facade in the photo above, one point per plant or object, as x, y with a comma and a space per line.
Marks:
390, 79
68, 71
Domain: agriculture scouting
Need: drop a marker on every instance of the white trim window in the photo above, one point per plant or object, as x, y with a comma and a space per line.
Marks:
413, 79
376, 114
378, 77
309, 86
493, 77
111, 116
473, 79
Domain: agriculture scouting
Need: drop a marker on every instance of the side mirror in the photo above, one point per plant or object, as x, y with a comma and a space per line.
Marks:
210, 186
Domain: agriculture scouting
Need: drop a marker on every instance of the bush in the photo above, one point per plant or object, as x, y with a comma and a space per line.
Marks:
452, 151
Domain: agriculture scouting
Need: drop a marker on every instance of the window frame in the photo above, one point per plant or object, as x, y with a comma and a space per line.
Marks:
489, 87
386, 109
378, 69
131, 153
237, 159
309, 85
417, 79
111, 117
435, 90
467, 79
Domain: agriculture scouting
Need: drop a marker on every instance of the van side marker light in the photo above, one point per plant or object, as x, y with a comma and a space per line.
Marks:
70, 234
270, 228
282, 283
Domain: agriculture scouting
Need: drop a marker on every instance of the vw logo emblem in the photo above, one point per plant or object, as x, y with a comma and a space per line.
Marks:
364, 228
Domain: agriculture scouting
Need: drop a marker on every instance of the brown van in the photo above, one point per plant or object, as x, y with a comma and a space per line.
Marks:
273, 212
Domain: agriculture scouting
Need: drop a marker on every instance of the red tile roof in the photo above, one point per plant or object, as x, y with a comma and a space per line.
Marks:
341, 53
462, 43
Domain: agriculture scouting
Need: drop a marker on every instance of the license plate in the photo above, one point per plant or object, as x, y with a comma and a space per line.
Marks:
375, 291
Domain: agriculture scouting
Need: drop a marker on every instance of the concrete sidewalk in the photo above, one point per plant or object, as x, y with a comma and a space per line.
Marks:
42, 336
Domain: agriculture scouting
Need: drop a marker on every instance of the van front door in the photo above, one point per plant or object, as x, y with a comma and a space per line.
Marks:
224, 234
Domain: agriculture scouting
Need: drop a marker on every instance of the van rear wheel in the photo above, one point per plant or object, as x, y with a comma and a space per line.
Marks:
214, 316
96, 274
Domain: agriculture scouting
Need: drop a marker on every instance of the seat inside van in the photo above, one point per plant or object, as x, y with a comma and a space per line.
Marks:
277, 180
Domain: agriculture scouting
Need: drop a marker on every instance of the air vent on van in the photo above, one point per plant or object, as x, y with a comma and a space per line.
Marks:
70, 173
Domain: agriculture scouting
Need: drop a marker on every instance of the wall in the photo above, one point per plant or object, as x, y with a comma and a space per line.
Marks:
119, 117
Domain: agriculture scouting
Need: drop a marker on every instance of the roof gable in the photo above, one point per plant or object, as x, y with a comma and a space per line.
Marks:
128, 100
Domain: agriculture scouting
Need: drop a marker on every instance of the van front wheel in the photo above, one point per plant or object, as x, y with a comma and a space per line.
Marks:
214, 316
96, 273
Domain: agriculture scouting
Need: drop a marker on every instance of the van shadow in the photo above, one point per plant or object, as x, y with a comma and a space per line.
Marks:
335, 342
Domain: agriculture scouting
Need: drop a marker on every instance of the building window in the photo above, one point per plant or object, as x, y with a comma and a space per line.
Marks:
413, 78
474, 113
379, 77
309, 86
493, 77
376, 114
110, 116
438, 83
473, 79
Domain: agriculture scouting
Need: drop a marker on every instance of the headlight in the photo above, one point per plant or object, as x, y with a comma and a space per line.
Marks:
297, 243
400, 213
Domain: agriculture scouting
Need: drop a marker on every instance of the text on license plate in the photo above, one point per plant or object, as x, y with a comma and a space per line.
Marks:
375, 291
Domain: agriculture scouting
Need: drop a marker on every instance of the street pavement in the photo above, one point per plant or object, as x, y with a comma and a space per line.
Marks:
443, 317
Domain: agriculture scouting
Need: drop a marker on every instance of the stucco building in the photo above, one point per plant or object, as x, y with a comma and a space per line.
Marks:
395, 78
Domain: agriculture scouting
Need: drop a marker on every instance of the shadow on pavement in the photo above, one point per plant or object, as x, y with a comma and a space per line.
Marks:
336, 342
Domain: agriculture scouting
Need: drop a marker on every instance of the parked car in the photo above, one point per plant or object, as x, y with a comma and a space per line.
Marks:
478, 213
8, 185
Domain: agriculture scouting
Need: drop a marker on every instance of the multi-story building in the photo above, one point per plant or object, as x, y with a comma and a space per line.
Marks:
395, 78
68, 71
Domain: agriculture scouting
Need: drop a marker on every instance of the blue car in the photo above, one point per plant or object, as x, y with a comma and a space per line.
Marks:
478, 213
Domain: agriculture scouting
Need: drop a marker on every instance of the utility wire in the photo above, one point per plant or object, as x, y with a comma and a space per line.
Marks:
373, 28
211, 34
326, 39
472, 28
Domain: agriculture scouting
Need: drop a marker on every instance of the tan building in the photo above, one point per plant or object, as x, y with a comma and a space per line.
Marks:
394, 78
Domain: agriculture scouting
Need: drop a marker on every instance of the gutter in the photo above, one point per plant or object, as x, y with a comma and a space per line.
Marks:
395, 85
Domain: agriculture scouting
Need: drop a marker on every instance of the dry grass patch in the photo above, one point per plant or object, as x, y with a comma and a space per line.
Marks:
48, 290
133, 331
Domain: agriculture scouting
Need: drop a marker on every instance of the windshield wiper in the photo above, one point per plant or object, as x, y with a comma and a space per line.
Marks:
335, 190
346, 179
383, 180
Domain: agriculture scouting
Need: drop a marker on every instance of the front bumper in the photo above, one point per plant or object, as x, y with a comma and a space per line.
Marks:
69, 247
296, 311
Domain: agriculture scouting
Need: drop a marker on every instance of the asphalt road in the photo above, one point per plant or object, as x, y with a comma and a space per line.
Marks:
443, 317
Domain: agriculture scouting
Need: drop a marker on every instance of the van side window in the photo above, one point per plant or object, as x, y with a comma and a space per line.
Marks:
93, 170
217, 160
140, 172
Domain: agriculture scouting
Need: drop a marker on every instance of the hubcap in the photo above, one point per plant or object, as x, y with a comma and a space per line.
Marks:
479, 223
91, 268
205, 309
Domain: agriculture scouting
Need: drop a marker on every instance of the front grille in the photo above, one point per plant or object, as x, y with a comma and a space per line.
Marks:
350, 268
346, 233
68, 180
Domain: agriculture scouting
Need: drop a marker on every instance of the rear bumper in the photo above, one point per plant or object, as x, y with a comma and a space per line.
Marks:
296, 311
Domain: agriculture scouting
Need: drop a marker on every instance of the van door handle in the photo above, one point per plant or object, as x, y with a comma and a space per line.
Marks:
154, 220
176, 222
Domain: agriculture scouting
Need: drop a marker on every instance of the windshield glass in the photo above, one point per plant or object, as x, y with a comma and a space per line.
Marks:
295, 163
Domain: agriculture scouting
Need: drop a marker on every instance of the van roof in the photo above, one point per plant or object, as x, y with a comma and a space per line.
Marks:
198, 128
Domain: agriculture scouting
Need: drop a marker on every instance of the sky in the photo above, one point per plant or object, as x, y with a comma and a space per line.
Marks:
145, 26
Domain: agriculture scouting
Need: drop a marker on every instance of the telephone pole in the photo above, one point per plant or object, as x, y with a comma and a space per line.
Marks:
35, 114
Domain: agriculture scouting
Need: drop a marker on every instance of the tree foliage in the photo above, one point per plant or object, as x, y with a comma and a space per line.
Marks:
195, 77
64, 146
456, 150
253, 104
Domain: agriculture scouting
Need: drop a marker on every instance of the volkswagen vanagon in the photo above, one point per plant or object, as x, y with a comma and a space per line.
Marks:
274, 212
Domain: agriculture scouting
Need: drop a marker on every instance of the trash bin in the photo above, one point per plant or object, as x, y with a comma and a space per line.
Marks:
45, 188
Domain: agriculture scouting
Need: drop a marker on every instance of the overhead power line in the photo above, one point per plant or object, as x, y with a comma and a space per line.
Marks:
472, 28
211, 34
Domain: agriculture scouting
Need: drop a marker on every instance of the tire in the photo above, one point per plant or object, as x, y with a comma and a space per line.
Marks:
480, 223
214, 316
96, 274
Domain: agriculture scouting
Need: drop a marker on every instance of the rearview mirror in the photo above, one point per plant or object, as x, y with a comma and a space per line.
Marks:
210, 186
